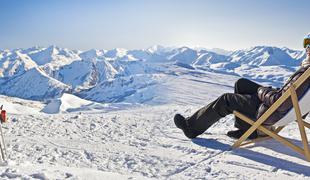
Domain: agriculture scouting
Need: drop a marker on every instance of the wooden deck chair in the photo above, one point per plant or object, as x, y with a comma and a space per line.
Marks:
300, 107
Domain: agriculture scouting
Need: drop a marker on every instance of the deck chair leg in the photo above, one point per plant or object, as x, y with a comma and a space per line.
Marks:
255, 141
249, 131
306, 124
282, 140
272, 134
262, 138
300, 122
260, 120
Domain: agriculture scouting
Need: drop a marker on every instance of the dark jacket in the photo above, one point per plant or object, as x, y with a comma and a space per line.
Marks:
269, 95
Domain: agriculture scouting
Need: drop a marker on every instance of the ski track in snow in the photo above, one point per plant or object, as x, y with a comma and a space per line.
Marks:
129, 144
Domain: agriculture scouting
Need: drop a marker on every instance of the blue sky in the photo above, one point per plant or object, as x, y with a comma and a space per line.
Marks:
136, 24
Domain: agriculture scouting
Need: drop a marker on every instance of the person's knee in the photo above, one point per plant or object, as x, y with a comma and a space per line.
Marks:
221, 101
240, 81
222, 104
224, 97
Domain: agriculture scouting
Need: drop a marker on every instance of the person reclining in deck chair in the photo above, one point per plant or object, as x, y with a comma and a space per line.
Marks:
249, 98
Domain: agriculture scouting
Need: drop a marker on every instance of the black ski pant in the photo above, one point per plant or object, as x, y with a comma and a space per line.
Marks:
244, 100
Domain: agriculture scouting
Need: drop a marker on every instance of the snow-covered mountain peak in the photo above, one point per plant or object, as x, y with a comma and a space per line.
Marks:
184, 49
161, 50
84, 74
34, 84
52, 50
155, 48
220, 51
295, 54
92, 54
18, 55
263, 56
5, 53
32, 49
54, 55
184, 55
116, 53
16, 63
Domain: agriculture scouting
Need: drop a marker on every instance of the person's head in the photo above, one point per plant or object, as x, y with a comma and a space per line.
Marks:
306, 62
307, 44
308, 51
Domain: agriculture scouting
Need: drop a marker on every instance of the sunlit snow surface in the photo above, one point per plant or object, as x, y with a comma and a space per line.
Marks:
121, 127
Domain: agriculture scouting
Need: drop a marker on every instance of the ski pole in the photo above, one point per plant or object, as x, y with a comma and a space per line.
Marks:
2, 144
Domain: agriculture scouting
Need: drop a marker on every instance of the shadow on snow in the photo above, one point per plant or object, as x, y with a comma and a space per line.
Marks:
260, 157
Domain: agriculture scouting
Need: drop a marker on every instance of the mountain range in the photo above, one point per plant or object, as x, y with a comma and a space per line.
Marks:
120, 75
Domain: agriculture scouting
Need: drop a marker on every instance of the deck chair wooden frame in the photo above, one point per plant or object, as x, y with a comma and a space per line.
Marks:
291, 93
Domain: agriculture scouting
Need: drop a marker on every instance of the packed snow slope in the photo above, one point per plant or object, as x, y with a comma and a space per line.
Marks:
109, 114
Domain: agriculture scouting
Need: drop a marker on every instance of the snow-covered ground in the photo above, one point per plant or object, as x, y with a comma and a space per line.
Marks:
136, 138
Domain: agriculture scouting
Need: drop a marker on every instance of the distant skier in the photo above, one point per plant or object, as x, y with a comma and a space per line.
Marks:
248, 98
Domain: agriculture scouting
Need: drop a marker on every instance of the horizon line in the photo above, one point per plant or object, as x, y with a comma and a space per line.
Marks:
158, 45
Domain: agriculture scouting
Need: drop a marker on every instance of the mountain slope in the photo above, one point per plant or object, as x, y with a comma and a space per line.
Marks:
53, 55
15, 63
119, 89
85, 74
34, 84
263, 56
